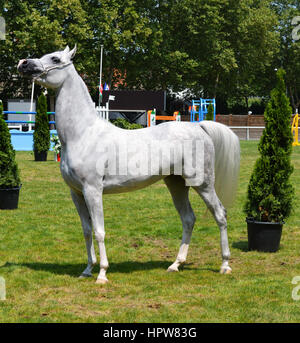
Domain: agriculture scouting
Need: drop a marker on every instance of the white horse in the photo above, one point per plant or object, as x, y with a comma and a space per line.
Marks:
88, 156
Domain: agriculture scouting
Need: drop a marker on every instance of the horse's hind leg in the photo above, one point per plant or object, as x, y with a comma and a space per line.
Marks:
215, 206
84, 215
180, 196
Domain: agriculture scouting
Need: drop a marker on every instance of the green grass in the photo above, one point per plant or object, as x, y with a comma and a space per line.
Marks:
42, 253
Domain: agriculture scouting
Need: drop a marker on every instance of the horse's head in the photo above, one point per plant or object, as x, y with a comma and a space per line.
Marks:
50, 70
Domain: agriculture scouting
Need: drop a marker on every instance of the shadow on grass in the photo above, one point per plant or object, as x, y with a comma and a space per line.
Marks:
76, 269
241, 245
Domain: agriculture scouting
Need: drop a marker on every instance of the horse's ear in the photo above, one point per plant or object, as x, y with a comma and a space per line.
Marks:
73, 52
67, 49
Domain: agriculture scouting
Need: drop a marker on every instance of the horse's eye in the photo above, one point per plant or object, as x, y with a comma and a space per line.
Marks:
55, 59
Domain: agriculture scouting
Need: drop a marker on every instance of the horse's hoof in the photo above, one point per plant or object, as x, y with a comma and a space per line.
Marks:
101, 281
172, 269
225, 270
83, 276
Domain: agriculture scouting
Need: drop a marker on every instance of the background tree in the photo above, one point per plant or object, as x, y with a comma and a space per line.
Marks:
226, 49
210, 112
289, 49
34, 28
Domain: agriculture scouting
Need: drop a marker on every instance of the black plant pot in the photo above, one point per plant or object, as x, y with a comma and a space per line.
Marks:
9, 198
263, 236
40, 156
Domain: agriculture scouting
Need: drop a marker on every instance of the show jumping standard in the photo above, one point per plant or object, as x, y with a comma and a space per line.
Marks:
92, 147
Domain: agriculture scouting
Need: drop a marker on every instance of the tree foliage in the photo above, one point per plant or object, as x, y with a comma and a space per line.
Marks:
226, 49
270, 191
124, 124
210, 112
41, 135
9, 173
34, 28
289, 48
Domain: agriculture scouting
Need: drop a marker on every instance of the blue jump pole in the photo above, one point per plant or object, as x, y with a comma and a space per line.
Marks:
24, 122
19, 112
200, 107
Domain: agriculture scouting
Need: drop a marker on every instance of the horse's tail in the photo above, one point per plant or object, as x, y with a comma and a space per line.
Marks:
227, 160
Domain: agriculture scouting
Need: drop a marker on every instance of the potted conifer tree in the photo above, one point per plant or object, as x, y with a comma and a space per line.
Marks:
41, 135
10, 183
270, 193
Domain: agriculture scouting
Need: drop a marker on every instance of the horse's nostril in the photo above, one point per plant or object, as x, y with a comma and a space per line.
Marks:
21, 64
24, 63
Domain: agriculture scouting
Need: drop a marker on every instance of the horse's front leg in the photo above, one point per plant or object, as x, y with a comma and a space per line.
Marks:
86, 224
93, 199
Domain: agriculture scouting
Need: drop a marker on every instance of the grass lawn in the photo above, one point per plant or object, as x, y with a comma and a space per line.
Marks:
42, 253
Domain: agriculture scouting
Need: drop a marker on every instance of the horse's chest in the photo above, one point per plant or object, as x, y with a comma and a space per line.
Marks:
70, 175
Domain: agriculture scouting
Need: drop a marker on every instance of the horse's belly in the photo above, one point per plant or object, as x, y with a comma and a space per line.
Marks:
119, 184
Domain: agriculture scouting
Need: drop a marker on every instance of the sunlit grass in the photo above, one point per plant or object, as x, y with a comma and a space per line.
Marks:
42, 253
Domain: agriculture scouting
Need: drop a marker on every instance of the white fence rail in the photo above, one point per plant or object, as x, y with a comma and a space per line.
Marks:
247, 128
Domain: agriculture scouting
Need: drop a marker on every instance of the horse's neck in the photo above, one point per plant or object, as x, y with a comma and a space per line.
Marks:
74, 111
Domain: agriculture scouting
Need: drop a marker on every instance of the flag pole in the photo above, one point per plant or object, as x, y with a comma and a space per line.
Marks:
31, 105
101, 54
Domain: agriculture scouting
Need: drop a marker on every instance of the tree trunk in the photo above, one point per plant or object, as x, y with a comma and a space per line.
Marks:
216, 86
292, 99
247, 103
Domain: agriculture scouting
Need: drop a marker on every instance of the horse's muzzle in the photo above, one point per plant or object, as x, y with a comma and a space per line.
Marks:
29, 67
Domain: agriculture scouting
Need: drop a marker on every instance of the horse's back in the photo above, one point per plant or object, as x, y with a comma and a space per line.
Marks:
170, 131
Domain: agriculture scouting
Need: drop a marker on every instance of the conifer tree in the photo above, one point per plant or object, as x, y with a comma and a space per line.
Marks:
41, 135
270, 191
9, 173
210, 112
